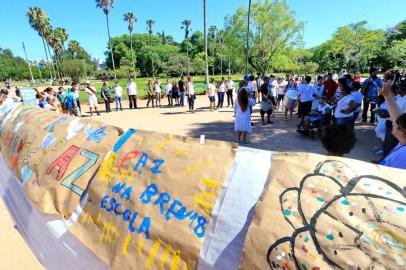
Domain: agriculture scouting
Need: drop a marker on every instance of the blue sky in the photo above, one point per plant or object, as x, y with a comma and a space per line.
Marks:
86, 24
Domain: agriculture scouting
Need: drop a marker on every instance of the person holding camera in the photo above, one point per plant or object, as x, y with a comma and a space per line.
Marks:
397, 157
369, 90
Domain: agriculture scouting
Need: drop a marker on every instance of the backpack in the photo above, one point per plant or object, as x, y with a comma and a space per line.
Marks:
365, 86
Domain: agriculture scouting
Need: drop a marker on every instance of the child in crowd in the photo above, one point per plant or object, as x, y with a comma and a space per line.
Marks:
70, 103
243, 115
50, 103
211, 92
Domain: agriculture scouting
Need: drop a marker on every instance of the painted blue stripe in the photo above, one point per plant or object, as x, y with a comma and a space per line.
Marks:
123, 139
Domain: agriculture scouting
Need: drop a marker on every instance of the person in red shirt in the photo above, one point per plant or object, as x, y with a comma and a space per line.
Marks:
330, 87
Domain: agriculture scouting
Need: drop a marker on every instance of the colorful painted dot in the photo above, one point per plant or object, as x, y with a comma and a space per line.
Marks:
388, 193
367, 184
287, 212
400, 209
306, 239
330, 237
345, 202
320, 199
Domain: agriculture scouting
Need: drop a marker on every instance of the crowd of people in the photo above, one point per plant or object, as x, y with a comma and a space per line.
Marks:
331, 104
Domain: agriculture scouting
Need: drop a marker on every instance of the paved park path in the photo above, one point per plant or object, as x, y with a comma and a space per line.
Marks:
219, 125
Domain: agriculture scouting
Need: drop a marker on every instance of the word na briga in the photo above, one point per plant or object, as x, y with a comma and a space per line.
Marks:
151, 195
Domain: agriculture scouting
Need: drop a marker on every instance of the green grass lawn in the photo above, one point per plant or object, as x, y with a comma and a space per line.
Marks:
142, 82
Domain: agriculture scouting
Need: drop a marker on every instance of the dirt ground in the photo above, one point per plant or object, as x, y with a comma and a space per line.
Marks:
218, 125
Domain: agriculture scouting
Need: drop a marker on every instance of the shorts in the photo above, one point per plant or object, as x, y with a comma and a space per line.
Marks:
93, 101
281, 97
289, 103
212, 99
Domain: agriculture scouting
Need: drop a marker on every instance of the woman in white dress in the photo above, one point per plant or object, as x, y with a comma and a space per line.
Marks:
243, 115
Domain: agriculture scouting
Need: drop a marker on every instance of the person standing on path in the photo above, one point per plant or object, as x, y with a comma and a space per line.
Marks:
230, 89
220, 92
168, 90
75, 89
132, 93
190, 92
158, 90
105, 94
370, 89
211, 91
290, 98
182, 89
175, 93
92, 98
118, 96
242, 106
306, 91
151, 93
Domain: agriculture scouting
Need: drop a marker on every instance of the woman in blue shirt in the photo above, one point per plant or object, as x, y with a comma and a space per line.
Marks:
397, 158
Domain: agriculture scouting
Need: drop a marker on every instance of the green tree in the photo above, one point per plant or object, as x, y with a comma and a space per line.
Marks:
358, 45
397, 54
130, 18
177, 65
106, 5
274, 30
213, 40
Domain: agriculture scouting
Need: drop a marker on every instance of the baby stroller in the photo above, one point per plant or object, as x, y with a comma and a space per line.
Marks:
313, 125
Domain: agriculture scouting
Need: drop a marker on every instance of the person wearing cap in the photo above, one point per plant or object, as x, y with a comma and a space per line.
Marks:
92, 98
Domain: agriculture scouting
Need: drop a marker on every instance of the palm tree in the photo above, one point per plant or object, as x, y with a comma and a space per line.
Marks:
39, 21
150, 24
205, 41
186, 25
106, 5
213, 35
61, 36
48, 36
248, 37
130, 18
74, 48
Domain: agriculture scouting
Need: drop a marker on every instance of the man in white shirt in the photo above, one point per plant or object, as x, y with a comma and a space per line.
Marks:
306, 91
132, 93
168, 90
118, 95
230, 89
92, 98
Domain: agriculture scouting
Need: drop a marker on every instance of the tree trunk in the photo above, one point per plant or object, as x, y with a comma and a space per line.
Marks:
132, 52
229, 67
111, 47
187, 54
52, 62
45, 49
248, 37
152, 59
205, 43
